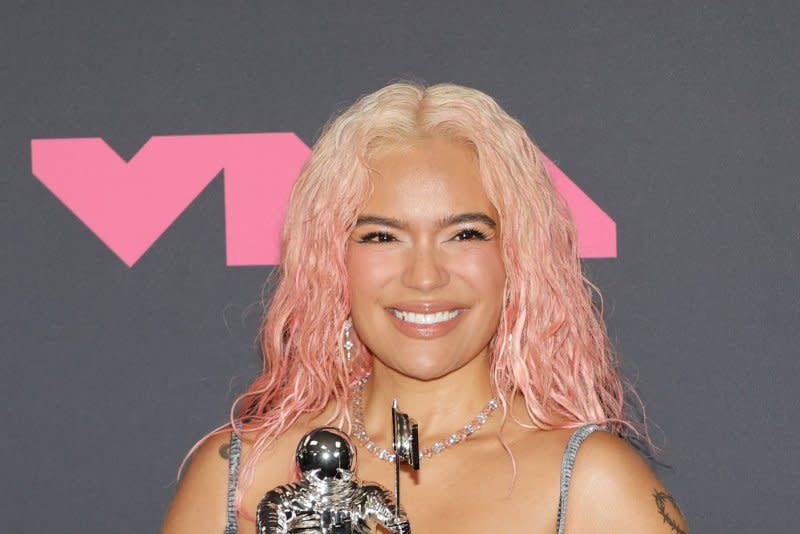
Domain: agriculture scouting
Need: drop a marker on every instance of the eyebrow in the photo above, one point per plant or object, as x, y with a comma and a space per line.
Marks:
443, 222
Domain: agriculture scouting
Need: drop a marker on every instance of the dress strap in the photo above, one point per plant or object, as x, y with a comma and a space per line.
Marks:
234, 451
566, 470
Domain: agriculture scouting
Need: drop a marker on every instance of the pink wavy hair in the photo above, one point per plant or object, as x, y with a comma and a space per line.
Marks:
558, 359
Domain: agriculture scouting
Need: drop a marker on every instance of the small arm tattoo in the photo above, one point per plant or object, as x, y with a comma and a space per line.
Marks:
225, 450
662, 498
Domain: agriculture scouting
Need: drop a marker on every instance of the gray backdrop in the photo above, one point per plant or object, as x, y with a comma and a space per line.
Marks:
679, 119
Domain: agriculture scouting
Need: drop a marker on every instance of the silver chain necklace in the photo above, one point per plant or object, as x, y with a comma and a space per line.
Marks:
360, 433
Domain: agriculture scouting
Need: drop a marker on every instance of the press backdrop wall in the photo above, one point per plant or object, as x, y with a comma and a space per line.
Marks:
678, 119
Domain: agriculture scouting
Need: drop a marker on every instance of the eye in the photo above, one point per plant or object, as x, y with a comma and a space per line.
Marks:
376, 237
469, 234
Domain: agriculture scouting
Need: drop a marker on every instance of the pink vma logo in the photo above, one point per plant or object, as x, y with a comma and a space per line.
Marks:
129, 204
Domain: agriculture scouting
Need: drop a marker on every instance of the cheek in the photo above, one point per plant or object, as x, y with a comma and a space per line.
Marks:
368, 271
483, 268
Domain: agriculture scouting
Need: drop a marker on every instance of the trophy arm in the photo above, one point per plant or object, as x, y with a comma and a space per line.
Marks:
381, 506
278, 508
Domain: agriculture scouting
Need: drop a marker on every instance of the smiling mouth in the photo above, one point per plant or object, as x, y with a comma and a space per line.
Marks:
425, 318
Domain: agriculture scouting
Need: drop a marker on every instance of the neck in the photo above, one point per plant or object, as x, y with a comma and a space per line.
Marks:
440, 406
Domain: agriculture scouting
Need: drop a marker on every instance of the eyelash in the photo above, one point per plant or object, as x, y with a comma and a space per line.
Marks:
467, 234
472, 233
382, 237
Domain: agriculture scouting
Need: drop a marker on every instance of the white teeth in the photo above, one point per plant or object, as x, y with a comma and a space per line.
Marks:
425, 318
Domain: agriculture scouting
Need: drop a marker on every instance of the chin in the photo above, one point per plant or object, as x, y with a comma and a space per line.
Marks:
425, 375
421, 368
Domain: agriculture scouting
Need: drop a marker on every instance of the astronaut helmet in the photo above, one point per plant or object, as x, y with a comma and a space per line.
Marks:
326, 454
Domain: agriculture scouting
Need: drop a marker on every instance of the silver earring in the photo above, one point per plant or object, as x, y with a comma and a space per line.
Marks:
348, 343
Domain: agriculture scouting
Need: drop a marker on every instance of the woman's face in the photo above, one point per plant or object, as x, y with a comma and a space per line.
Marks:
424, 261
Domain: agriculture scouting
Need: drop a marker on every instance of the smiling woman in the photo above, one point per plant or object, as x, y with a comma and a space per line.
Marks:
425, 263
427, 258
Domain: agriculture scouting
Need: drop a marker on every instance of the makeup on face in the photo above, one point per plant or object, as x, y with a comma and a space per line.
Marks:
424, 261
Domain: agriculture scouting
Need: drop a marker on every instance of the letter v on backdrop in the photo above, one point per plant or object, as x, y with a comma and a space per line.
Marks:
129, 204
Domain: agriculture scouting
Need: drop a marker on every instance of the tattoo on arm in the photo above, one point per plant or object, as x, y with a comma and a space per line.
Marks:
662, 498
225, 450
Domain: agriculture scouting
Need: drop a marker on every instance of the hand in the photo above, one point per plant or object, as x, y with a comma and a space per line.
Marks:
401, 527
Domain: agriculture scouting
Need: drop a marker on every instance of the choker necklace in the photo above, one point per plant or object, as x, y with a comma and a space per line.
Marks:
426, 453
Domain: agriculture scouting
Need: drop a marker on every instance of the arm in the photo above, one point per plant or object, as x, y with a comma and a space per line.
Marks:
199, 504
382, 506
614, 490
278, 509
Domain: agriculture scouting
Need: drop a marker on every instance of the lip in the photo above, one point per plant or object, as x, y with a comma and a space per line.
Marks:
427, 307
426, 331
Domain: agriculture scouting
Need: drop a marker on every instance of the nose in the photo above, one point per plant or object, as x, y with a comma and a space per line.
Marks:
424, 269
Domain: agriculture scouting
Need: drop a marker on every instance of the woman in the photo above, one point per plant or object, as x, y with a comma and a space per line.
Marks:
428, 259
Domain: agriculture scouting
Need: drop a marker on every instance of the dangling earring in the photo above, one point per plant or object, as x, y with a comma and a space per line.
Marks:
348, 343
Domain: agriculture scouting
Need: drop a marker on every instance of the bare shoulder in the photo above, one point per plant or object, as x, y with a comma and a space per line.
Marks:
613, 489
199, 504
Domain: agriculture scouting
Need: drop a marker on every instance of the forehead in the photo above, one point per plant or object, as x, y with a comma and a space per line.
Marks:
428, 178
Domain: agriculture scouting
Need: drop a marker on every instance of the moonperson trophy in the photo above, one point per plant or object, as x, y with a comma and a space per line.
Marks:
329, 499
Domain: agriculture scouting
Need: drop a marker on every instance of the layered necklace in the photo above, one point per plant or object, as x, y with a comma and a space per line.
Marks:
426, 453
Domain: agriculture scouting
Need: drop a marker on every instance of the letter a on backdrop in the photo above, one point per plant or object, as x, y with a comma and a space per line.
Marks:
129, 204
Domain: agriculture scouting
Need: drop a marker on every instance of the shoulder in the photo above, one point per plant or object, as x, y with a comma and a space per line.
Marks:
199, 504
614, 490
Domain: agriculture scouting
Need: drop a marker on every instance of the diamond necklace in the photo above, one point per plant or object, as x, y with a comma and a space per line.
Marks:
360, 433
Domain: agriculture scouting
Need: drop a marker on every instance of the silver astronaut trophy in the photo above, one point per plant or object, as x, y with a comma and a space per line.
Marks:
329, 499
405, 441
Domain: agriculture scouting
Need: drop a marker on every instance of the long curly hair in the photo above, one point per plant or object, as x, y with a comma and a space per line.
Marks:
557, 357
